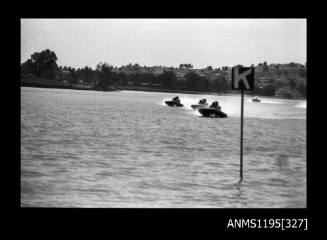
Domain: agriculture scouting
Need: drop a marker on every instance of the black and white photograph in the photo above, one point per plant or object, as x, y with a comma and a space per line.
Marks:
163, 113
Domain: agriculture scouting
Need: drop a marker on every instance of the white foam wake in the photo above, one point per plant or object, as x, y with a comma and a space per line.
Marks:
301, 104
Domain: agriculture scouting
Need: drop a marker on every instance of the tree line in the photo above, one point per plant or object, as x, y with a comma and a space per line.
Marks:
44, 65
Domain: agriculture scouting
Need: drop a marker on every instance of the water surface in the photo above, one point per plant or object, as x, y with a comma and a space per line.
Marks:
128, 149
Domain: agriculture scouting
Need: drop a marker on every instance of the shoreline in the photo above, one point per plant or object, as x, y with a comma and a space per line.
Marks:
54, 84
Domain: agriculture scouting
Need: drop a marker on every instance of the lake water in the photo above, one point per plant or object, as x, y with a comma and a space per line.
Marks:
128, 149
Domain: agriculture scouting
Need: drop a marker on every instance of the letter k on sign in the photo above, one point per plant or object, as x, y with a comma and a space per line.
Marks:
242, 78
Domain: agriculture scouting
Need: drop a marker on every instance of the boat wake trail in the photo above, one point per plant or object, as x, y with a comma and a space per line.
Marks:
301, 104
264, 101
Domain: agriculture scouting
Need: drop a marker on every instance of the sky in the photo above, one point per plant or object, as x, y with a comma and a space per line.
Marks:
167, 42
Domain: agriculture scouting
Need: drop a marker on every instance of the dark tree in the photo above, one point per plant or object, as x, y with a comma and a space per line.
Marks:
278, 85
269, 90
122, 78
104, 74
86, 74
302, 89
292, 83
205, 84
44, 62
184, 65
194, 81
265, 67
167, 79
148, 78
220, 84
303, 72
209, 68
73, 76
27, 67
292, 65
136, 67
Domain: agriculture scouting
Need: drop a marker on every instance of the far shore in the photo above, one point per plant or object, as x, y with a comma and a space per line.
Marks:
47, 84
163, 90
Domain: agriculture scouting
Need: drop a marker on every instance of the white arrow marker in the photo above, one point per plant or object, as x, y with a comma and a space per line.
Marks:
241, 77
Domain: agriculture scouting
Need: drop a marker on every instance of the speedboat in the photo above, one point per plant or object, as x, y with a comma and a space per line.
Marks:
212, 112
174, 104
256, 100
200, 105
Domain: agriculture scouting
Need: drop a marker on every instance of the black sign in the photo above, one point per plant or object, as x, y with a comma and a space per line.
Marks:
243, 78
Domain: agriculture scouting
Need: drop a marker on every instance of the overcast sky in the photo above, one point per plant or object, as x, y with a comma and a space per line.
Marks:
168, 42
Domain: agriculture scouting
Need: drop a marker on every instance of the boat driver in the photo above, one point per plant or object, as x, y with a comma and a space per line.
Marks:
176, 99
215, 105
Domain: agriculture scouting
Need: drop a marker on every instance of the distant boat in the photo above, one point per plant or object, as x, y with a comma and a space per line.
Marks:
256, 100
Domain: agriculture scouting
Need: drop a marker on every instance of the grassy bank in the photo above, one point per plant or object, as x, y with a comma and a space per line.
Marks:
231, 93
154, 89
47, 83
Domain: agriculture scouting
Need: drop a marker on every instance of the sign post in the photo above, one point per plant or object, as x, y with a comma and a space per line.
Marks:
242, 79
241, 140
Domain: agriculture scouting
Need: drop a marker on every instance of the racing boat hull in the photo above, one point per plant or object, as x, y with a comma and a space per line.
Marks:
212, 112
173, 104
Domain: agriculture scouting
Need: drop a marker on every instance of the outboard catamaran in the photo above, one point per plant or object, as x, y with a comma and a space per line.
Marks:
175, 102
256, 99
202, 104
213, 111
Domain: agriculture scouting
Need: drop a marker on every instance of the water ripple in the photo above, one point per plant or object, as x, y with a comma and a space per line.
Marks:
127, 149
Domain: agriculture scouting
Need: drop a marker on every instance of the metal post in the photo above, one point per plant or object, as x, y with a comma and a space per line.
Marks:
241, 147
